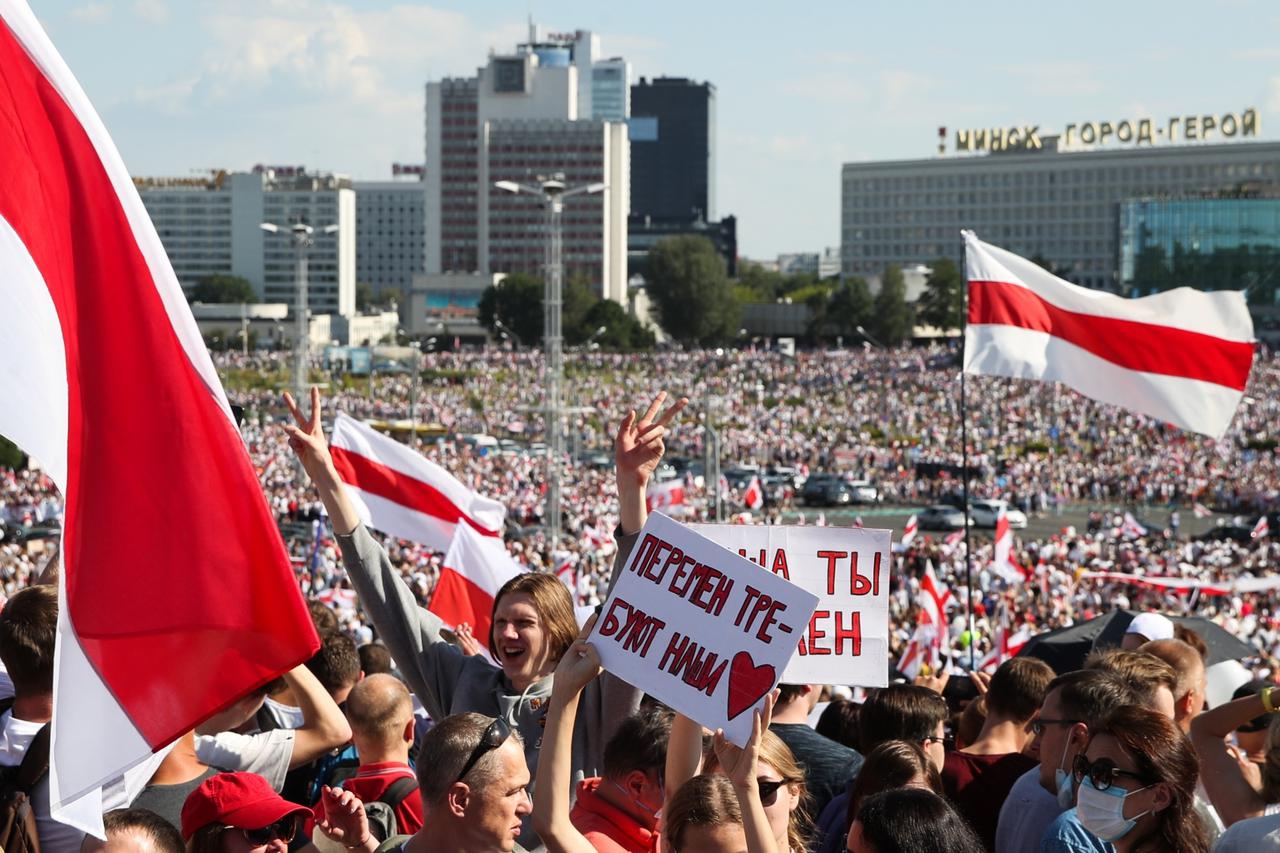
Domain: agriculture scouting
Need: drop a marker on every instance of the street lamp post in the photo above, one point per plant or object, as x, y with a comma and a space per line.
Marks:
552, 192
302, 242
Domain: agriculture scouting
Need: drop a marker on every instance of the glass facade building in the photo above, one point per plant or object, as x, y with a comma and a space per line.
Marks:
1209, 243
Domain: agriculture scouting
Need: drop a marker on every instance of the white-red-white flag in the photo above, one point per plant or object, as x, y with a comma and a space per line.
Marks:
474, 569
400, 492
1003, 562
920, 650
909, 532
1131, 529
1200, 510
1007, 645
171, 561
753, 497
664, 496
1182, 356
934, 600
1262, 528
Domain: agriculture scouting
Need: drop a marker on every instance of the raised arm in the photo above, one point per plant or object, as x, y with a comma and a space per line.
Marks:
637, 450
684, 754
323, 724
740, 765
551, 803
430, 664
1224, 781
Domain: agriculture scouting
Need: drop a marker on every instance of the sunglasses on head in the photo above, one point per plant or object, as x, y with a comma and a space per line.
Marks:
284, 829
769, 790
494, 736
1103, 772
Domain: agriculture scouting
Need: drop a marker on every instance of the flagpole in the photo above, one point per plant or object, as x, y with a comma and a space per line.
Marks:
964, 480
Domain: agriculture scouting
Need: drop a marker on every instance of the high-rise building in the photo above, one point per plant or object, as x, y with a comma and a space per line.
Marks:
390, 230
212, 226
611, 90
1061, 205
519, 120
673, 148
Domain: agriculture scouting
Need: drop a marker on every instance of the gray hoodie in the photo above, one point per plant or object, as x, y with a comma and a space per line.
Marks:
448, 682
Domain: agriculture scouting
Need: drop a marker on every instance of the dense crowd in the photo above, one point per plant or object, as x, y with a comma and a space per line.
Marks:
1102, 755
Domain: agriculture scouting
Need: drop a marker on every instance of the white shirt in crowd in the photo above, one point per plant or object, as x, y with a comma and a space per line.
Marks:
15, 736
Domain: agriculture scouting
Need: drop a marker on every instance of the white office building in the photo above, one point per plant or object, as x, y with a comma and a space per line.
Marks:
1060, 205
213, 226
611, 90
390, 232
525, 116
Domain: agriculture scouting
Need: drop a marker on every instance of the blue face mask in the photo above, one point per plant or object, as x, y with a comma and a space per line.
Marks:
1063, 780
1102, 812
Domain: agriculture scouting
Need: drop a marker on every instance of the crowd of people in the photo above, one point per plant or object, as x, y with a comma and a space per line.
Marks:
398, 734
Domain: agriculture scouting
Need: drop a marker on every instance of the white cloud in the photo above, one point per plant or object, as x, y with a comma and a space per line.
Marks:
91, 13
154, 11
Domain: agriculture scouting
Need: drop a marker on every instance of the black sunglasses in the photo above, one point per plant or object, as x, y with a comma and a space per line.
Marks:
1103, 772
285, 829
494, 736
769, 790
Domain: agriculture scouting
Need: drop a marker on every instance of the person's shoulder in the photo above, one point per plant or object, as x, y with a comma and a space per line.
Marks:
1258, 833
1066, 833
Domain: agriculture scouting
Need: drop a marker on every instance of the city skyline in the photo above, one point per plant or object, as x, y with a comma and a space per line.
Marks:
339, 87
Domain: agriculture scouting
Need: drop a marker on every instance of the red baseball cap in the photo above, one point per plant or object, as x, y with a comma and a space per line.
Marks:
242, 800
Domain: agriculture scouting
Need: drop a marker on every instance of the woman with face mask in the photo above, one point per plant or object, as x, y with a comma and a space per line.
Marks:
1135, 785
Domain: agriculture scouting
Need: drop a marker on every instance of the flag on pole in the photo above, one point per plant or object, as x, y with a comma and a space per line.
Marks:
1131, 529
753, 497
934, 600
920, 649
400, 492
474, 569
1003, 562
1200, 510
909, 531
1006, 646
119, 402
1260, 529
1182, 356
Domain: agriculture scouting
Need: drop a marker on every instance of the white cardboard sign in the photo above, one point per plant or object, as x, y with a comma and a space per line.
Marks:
847, 568
699, 627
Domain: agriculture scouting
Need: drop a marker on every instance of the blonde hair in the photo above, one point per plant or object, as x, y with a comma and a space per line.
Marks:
775, 753
555, 610
706, 800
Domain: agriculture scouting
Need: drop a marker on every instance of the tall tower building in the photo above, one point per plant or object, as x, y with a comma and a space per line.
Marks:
673, 147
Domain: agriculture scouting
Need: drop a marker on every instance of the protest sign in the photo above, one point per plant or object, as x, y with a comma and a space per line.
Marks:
847, 640
699, 627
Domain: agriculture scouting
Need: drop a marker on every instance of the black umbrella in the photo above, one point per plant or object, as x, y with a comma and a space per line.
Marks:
1065, 649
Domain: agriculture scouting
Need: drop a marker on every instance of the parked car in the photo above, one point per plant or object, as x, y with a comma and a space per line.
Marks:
940, 517
864, 491
815, 488
985, 513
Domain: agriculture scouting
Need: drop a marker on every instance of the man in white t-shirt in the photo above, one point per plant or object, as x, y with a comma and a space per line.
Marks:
28, 628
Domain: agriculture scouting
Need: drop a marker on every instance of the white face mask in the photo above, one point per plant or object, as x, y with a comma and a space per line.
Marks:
1102, 812
1062, 779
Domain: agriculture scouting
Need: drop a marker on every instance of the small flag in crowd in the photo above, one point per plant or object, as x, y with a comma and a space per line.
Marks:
753, 497
1200, 510
1131, 529
399, 491
1260, 529
1181, 356
665, 496
1003, 562
119, 401
909, 531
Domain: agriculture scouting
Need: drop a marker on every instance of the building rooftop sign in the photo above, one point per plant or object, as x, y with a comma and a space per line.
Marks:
1088, 136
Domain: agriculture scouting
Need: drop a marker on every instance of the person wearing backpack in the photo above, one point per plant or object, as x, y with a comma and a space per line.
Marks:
28, 626
380, 711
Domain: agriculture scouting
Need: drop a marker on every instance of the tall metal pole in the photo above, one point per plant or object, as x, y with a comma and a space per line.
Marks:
413, 391
302, 346
553, 340
964, 479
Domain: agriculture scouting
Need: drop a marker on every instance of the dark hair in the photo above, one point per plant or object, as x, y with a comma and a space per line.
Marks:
892, 764
788, 693
900, 712
374, 658
640, 743
705, 800
1253, 688
912, 820
144, 822
446, 748
1193, 639
554, 605
28, 632
207, 839
1163, 754
1017, 689
322, 616
337, 664
839, 722
1089, 695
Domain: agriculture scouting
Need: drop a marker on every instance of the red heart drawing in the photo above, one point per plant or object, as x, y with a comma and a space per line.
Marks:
748, 682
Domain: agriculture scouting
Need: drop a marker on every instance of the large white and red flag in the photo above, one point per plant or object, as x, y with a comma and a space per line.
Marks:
171, 561
475, 568
1182, 356
402, 493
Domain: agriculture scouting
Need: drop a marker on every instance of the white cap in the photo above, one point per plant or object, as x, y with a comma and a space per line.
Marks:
1153, 626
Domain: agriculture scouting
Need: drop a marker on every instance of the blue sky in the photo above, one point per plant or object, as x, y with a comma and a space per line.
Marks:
802, 87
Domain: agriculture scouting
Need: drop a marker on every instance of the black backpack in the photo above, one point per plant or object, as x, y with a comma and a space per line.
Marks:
382, 811
17, 817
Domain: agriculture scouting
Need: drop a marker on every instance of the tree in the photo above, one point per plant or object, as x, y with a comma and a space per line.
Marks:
942, 303
517, 302
623, 332
892, 319
223, 289
576, 300
849, 307
364, 295
690, 290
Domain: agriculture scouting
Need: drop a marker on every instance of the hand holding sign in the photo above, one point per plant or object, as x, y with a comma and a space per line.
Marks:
700, 628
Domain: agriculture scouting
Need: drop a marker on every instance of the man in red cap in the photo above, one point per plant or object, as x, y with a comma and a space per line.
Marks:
237, 812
